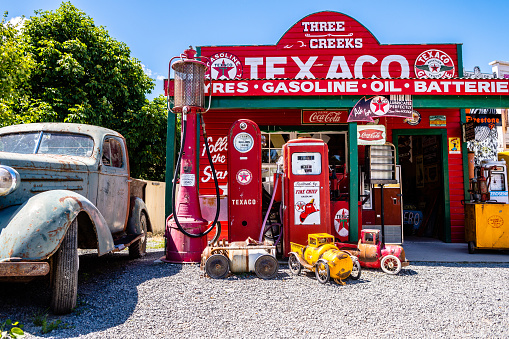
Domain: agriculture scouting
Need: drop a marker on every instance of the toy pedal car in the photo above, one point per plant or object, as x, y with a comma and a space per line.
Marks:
238, 257
372, 253
324, 258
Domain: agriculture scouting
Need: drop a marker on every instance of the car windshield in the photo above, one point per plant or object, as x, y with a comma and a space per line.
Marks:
47, 143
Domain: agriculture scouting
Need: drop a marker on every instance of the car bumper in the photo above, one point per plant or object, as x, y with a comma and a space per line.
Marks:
23, 269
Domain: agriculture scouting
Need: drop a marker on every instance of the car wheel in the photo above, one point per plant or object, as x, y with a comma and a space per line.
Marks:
138, 248
217, 266
65, 272
322, 271
391, 264
294, 264
356, 269
266, 266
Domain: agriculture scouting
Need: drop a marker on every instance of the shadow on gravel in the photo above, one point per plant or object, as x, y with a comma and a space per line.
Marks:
462, 264
107, 285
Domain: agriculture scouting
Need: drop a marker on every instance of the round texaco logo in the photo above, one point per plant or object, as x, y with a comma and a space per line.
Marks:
434, 64
379, 105
224, 66
244, 177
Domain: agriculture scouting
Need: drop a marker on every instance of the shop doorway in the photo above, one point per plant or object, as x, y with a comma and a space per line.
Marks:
424, 178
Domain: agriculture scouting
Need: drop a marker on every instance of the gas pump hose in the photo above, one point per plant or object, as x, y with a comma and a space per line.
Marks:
263, 230
177, 170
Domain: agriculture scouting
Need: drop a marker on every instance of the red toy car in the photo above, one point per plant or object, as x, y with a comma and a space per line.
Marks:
372, 253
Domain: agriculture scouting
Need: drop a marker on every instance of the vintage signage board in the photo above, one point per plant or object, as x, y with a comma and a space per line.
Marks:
468, 131
371, 134
331, 45
437, 121
330, 53
490, 120
378, 106
323, 117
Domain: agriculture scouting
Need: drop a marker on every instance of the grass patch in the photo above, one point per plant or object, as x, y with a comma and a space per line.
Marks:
155, 242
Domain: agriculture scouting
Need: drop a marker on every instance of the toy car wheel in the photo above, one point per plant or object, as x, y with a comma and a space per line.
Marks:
294, 264
356, 269
266, 266
217, 266
322, 271
65, 272
471, 247
391, 264
138, 248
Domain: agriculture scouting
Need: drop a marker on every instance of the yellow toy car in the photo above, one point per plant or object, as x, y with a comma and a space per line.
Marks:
323, 257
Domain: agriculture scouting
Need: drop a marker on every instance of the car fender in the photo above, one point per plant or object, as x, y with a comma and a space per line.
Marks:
136, 208
35, 229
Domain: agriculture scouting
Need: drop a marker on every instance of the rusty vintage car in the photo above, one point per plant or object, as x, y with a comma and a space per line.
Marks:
63, 187
373, 253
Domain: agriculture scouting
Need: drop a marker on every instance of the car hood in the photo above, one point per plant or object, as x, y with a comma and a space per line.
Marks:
40, 173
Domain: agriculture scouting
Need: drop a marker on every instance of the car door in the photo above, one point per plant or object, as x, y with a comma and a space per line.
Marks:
113, 184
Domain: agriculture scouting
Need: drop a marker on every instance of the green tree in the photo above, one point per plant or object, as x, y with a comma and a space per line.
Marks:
146, 139
15, 68
81, 74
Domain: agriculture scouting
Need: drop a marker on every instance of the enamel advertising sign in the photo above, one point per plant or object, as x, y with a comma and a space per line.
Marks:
331, 45
330, 53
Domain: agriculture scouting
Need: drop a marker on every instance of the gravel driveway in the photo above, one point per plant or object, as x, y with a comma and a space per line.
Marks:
119, 298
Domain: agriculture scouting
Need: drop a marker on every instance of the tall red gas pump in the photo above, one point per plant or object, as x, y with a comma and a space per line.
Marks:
185, 228
306, 192
244, 181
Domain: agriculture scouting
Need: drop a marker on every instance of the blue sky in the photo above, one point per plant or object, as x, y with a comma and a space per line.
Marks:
157, 30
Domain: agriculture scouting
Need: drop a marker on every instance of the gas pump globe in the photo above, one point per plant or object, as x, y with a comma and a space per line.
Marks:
186, 230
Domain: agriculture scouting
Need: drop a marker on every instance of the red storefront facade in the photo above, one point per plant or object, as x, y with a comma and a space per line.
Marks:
307, 86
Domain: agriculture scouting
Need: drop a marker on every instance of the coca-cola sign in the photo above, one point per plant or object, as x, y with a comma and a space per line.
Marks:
324, 117
371, 134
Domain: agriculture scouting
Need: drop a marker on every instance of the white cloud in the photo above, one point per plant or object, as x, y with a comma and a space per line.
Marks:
146, 70
17, 22
151, 74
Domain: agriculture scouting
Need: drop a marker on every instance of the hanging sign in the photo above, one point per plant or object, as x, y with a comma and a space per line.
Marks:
468, 131
490, 120
371, 134
396, 106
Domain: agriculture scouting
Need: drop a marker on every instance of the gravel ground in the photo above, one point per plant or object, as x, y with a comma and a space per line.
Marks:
120, 298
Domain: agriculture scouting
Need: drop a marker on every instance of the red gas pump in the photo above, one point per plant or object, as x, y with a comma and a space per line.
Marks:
244, 181
306, 193
185, 228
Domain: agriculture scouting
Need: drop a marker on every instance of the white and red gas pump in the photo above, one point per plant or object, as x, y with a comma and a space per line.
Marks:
306, 192
185, 228
244, 181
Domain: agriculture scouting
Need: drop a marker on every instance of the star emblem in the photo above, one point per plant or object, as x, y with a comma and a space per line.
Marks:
223, 70
380, 105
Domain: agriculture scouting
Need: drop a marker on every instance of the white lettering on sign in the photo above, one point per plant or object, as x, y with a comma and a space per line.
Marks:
207, 174
460, 86
336, 43
323, 26
360, 86
243, 201
338, 68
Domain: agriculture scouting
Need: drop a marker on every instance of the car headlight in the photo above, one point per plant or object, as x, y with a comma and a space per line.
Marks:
9, 180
